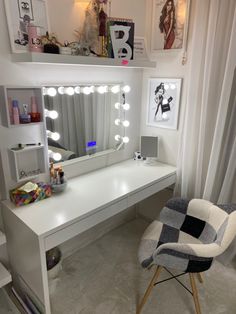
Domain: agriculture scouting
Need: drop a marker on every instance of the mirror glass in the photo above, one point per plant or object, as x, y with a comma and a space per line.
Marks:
80, 120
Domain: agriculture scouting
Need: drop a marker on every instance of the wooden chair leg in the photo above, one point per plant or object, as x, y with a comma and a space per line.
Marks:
199, 276
149, 289
195, 293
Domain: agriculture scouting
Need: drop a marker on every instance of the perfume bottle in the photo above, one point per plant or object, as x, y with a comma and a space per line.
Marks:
15, 112
35, 115
25, 117
10, 110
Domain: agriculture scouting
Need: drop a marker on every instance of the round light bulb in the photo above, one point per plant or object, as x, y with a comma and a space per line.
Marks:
115, 89
56, 156
125, 139
55, 136
126, 107
87, 90
126, 123
102, 89
53, 114
117, 106
52, 91
117, 122
77, 90
117, 138
126, 89
70, 91
61, 90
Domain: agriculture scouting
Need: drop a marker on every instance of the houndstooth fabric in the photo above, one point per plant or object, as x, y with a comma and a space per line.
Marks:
189, 235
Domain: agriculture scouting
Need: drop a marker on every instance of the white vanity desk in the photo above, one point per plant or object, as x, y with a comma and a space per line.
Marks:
89, 199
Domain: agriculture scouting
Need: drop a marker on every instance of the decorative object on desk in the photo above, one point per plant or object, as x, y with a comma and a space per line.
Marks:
66, 49
20, 14
138, 156
140, 48
163, 102
35, 43
169, 24
149, 148
50, 44
30, 192
57, 179
120, 38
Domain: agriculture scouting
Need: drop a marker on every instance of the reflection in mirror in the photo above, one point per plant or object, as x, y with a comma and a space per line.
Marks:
83, 120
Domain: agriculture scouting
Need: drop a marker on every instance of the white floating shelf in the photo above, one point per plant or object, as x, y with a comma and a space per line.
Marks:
48, 58
2, 238
5, 276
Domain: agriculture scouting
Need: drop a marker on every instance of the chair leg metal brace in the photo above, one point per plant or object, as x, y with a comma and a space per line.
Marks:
149, 289
153, 283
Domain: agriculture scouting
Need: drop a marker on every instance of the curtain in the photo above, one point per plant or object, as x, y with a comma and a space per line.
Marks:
82, 119
207, 155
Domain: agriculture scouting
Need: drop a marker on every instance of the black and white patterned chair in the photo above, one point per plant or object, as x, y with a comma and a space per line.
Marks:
187, 238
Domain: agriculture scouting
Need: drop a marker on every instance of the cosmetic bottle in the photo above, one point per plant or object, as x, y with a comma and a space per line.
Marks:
35, 115
10, 110
15, 112
25, 117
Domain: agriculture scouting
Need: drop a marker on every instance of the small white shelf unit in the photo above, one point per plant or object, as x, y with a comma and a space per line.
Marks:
27, 163
47, 58
23, 96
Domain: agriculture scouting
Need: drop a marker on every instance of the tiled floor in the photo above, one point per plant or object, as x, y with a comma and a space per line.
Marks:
105, 278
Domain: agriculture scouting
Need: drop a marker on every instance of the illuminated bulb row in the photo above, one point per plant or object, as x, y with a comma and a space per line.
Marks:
125, 106
53, 135
124, 139
125, 123
87, 90
171, 86
55, 156
53, 114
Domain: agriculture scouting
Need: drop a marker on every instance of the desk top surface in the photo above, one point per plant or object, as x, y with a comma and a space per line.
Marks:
89, 193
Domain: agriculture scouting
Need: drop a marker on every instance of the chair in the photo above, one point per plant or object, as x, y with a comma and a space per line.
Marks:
187, 238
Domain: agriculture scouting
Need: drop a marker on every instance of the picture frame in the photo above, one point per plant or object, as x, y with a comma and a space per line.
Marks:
140, 48
169, 30
19, 14
163, 102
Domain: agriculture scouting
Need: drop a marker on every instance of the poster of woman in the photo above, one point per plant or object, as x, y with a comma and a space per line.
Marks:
169, 23
163, 102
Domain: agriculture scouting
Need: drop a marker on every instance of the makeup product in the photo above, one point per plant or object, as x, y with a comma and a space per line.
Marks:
15, 112
35, 115
10, 110
25, 117
35, 43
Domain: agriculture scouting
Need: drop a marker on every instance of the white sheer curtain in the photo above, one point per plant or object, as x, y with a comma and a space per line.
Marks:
207, 156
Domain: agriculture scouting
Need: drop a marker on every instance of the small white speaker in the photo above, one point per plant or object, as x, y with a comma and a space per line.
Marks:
149, 146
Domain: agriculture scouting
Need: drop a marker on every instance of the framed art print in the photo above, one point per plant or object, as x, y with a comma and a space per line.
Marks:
169, 24
21, 13
163, 102
140, 48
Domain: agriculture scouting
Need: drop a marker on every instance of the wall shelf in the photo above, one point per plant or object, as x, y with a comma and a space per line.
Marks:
47, 58
5, 276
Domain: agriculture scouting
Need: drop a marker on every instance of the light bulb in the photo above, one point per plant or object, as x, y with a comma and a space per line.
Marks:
102, 89
53, 114
56, 156
125, 139
126, 89
52, 91
115, 89
117, 138
117, 122
61, 90
86, 90
77, 90
126, 107
117, 106
55, 136
172, 86
126, 123
70, 91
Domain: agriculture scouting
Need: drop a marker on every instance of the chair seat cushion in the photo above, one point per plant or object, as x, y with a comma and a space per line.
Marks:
157, 234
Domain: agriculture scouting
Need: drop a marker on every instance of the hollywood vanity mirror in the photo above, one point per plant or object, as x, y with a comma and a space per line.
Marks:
85, 119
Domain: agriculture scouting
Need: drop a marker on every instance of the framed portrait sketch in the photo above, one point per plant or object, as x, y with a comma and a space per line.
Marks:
163, 102
169, 24
21, 13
